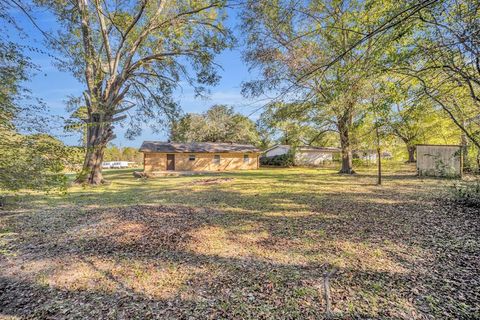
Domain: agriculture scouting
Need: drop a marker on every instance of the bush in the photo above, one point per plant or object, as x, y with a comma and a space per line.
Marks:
467, 193
471, 160
33, 162
283, 160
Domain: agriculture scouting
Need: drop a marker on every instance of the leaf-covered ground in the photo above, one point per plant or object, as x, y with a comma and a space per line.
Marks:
255, 245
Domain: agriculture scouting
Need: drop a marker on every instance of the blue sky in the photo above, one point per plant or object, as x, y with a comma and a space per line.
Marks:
54, 86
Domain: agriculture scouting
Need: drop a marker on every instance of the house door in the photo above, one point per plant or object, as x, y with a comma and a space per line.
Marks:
170, 162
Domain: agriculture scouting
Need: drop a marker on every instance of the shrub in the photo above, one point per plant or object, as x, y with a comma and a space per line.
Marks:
33, 162
283, 160
467, 193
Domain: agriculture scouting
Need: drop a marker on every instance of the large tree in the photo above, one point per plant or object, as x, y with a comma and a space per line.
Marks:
131, 55
293, 124
218, 124
444, 57
318, 54
410, 116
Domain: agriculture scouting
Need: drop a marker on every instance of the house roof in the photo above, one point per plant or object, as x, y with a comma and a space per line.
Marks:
203, 147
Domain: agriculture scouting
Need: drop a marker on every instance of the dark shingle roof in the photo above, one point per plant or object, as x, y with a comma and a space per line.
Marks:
159, 146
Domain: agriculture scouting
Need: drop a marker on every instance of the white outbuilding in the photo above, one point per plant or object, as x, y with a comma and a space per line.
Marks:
277, 150
305, 155
439, 160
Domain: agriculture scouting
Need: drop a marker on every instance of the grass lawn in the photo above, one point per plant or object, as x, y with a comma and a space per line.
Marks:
251, 245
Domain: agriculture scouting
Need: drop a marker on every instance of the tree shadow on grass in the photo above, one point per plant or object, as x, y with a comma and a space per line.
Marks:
30, 300
256, 263
260, 254
182, 190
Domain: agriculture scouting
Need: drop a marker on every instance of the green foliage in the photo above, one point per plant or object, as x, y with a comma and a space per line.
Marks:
220, 123
326, 57
12, 73
467, 193
283, 160
114, 153
73, 158
304, 52
76, 121
27, 161
34, 162
133, 55
442, 57
294, 124
471, 159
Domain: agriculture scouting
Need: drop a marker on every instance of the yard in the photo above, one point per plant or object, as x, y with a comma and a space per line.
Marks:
243, 245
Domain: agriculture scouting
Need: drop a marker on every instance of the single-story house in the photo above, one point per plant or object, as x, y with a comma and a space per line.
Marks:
304, 155
198, 156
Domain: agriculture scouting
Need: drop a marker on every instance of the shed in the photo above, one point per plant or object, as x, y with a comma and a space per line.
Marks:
198, 156
439, 160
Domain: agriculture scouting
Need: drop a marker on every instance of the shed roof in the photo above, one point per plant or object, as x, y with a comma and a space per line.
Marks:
202, 147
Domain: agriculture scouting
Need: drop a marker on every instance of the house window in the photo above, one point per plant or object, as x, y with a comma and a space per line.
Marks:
191, 157
216, 159
246, 158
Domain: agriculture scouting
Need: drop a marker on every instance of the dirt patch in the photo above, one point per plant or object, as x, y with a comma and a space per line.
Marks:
212, 181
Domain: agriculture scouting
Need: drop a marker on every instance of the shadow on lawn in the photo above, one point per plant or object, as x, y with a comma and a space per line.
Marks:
256, 255
270, 197
287, 292
30, 300
283, 279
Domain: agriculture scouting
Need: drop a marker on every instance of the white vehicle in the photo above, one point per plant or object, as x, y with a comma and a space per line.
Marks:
119, 164
106, 165
115, 164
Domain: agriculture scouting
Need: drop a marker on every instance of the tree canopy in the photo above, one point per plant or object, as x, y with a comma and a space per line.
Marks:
304, 53
220, 123
324, 58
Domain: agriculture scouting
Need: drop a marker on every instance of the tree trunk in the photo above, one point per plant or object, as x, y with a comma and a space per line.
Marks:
92, 167
379, 157
346, 149
478, 161
99, 133
411, 154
